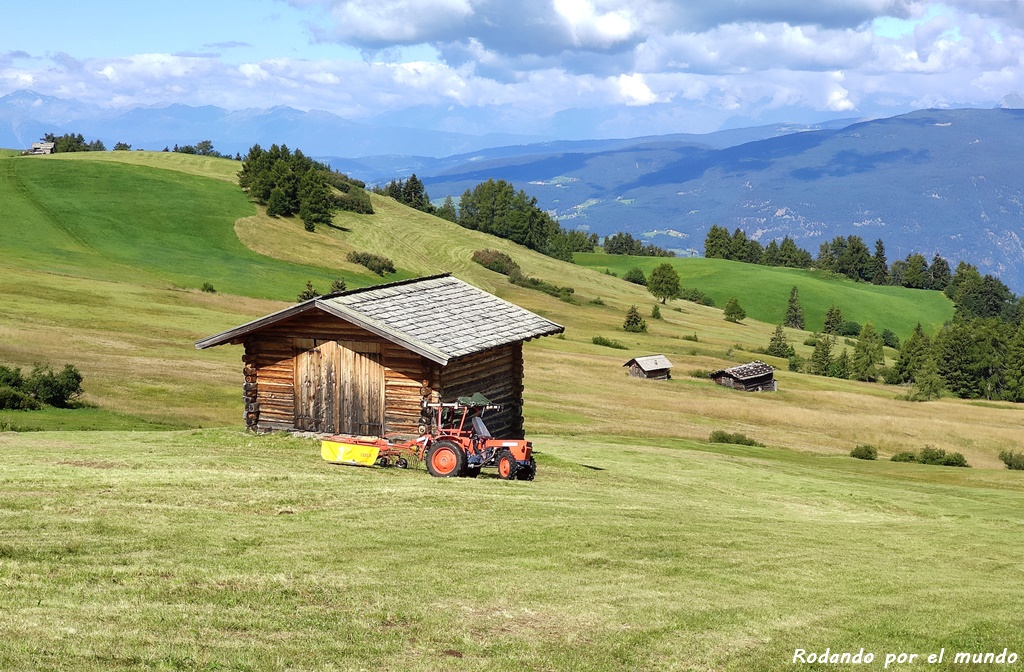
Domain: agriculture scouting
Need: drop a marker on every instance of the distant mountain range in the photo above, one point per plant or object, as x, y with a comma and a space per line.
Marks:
945, 181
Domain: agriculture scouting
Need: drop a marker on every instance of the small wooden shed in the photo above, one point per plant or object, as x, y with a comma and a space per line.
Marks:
654, 367
753, 377
361, 362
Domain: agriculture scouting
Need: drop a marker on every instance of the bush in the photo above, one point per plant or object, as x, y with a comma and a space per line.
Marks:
890, 340
656, 312
596, 302
932, 455
207, 287
636, 276
812, 341
696, 296
690, 337
338, 286
607, 342
499, 262
16, 400
720, 436
11, 377
849, 328
307, 293
1012, 459
937, 456
865, 453
563, 293
374, 262
55, 389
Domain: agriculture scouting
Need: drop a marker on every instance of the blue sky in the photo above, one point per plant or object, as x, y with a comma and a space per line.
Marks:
566, 68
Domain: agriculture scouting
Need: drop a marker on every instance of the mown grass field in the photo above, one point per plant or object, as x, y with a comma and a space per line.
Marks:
640, 545
214, 549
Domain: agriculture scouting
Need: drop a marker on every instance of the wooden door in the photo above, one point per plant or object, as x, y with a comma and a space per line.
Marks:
362, 388
316, 385
339, 387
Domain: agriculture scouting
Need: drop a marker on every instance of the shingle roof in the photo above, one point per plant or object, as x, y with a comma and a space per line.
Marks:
745, 371
439, 317
651, 362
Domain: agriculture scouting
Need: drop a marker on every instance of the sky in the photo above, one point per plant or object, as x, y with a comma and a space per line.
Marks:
556, 68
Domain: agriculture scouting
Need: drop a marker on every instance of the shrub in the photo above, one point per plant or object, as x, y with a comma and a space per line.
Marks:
563, 293
596, 302
16, 400
499, 262
700, 373
207, 287
11, 377
865, 453
656, 312
55, 389
634, 323
734, 311
636, 276
904, 456
721, 436
797, 363
812, 341
607, 342
374, 262
1012, 459
696, 296
890, 340
338, 286
307, 293
849, 328
937, 456
690, 337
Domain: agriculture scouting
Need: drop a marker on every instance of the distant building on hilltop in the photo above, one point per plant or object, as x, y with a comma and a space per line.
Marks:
42, 148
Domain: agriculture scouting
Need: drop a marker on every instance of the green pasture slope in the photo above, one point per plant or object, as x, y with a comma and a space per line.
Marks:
639, 547
763, 292
137, 221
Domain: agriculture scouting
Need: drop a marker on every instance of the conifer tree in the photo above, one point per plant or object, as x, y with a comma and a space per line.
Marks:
794, 312
779, 346
734, 311
867, 354
821, 358
634, 322
833, 320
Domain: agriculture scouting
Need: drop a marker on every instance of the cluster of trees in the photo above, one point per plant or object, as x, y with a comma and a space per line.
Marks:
411, 192
624, 243
495, 207
42, 386
290, 183
737, 247
73, 142
201, 148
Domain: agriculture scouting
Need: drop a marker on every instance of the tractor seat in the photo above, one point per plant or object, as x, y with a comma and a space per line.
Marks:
479, 428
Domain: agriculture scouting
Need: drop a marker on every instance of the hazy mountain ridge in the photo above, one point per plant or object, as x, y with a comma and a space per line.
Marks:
945, 181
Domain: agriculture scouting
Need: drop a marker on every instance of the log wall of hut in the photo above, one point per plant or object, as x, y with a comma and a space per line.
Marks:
318, 373
498, 375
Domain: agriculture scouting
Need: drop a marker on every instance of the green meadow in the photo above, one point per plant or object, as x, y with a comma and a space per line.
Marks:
764, 292
147, 531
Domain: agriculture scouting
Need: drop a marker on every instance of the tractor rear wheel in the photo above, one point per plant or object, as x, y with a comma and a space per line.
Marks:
445, 460
507, 465
527, 473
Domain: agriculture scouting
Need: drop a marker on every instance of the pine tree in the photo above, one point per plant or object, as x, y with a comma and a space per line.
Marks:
1014, 367
447, 209
913, 352
717, 243
879, 265
821, 358
867, 355
929, 384
779, 346
734, 311
794, 312
308, 293
634, 322
833, 320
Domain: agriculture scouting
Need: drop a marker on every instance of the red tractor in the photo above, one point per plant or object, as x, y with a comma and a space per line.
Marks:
453, 440
461, 444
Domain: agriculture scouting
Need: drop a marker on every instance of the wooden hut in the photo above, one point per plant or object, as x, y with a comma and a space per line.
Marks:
361, 362
753, 377
653, 367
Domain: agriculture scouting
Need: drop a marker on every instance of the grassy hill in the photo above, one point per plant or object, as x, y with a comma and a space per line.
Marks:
640, 546
764, 292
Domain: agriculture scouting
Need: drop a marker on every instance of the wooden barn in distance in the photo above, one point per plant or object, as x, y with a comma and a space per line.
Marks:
652, 367
753, 377
361, 362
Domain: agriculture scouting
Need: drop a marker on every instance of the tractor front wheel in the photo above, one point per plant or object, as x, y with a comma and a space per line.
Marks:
507, 465
445, 460
527, 473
